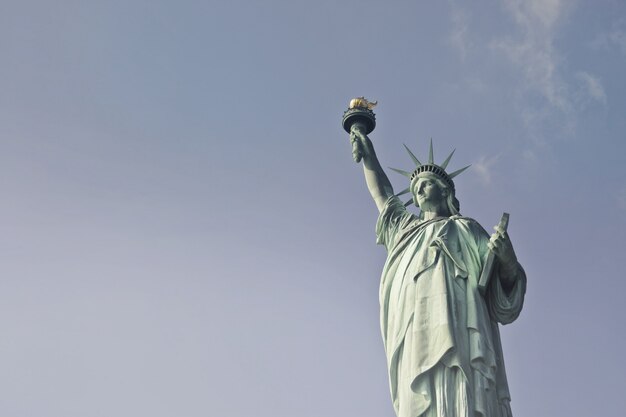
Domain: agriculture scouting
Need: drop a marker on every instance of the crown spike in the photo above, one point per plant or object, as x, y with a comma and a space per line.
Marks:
457, 172
402, 172
445, 163
431, 159
405, 191
408, 203
413, 157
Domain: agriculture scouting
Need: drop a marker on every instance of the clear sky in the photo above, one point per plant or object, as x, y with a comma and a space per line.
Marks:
184, 232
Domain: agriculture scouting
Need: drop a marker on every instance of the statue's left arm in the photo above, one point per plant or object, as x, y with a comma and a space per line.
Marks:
508, 284
509, 268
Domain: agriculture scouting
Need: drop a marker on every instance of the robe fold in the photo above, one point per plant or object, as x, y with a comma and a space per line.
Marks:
440, 333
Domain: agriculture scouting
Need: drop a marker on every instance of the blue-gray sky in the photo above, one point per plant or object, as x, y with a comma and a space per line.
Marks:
184, 232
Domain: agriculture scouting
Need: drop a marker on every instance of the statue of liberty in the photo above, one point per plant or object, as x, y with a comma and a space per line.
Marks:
439, 320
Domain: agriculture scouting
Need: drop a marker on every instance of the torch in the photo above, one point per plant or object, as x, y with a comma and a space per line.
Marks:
359, 115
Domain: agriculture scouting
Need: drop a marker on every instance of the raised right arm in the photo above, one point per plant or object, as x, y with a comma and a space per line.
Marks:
377, 182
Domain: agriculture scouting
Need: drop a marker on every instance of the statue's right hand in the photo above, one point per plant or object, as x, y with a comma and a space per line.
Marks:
358, 139
356, 147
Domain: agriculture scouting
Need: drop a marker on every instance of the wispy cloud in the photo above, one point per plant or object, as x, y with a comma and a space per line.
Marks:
459, 34
614, 38
549, 94
484, 168
533, 51
592, 86
548, 91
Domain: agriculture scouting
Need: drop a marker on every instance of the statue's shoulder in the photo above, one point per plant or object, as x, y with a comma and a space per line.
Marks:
463, 219
469, 224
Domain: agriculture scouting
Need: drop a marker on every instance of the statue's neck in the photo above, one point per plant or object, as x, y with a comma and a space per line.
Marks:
435, 213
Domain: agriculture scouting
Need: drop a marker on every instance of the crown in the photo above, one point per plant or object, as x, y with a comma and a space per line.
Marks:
438, 170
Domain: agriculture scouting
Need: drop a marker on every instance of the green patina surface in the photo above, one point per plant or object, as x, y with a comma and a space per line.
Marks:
439, 326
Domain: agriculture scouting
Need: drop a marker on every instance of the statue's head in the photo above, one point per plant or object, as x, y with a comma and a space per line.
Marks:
431, 186
432, 193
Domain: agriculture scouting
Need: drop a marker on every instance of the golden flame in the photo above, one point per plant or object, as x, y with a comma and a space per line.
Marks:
362, 103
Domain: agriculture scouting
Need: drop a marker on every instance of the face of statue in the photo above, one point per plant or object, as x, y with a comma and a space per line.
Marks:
429, 194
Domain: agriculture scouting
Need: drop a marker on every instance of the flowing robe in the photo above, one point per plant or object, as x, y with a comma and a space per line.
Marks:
440, 333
